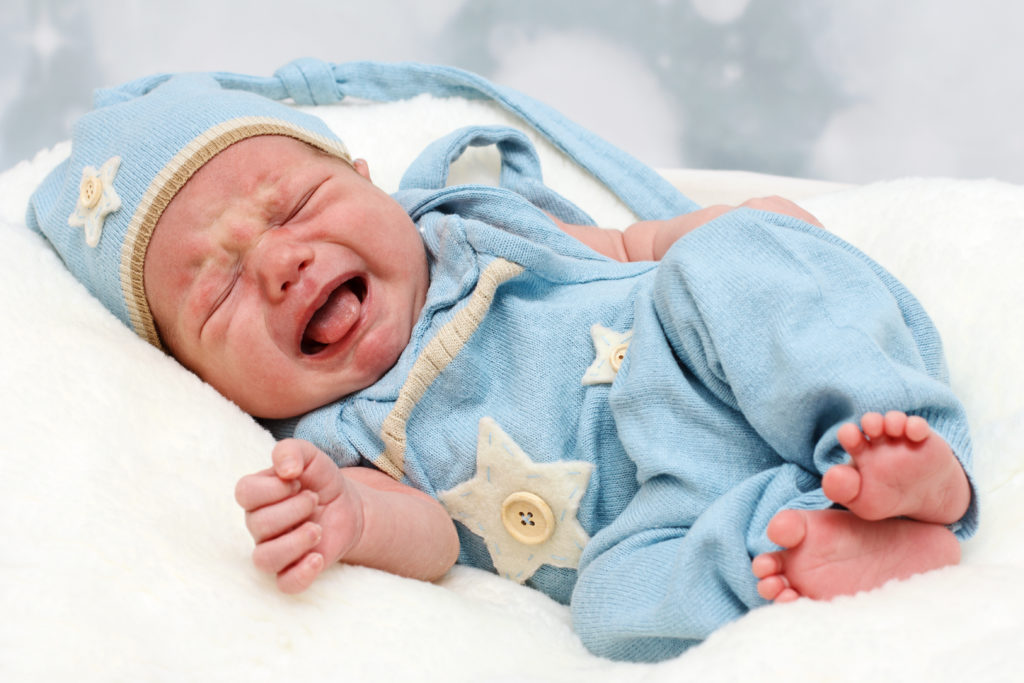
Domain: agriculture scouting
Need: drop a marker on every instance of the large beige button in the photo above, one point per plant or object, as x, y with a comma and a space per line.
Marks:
527, 518
90, 191
617, 355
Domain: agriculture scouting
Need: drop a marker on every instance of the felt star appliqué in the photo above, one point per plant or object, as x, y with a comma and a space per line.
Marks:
609, 350
96, 200
525, 511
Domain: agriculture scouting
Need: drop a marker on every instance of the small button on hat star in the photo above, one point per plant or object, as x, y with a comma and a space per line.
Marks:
96, 200
524, 510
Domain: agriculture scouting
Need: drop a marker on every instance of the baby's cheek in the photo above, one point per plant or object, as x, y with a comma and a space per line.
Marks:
378, 354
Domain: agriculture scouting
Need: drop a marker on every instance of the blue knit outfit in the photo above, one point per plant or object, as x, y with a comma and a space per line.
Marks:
753, 340
617, 435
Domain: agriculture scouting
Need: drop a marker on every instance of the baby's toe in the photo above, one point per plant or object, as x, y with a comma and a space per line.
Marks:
873, 425
766, 564
895, 424
787, 528
787, 595
851, 439
841, 483
770, 588
917, 428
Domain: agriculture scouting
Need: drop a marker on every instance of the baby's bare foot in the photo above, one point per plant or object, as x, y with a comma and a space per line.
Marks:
834, 552
900, 467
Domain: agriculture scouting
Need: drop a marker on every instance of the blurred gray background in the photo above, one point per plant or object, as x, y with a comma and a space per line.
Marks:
848, 90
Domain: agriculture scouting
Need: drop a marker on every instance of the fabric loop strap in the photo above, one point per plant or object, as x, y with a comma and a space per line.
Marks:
520, 167
309, 82
314, 82
518, 158
644, 191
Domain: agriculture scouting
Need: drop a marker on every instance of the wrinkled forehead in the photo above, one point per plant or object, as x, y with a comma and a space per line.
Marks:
259, 172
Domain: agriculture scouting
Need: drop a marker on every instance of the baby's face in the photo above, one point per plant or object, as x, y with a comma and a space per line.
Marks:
284, 277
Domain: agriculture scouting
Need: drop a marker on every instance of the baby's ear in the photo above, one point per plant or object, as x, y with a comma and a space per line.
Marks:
362, 168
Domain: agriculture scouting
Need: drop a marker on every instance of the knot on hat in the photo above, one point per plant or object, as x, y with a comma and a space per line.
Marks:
309, 81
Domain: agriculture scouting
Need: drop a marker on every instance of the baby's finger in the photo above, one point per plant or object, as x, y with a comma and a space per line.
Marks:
289, 458
254, 491
274, 555
321, 475
301, 575
292, 456
274, 520
299, 459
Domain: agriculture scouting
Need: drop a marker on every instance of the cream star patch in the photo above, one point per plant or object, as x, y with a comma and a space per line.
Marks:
96, 200
609, 351
525, 511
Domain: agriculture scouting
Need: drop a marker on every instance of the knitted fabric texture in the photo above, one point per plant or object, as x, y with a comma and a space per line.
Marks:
753, 340
129, 157
747, 346
146, 138
742, 352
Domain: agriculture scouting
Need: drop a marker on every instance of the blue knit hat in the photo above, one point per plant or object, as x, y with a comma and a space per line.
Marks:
129, 157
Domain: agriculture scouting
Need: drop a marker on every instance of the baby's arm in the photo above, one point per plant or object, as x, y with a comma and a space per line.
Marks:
649, 240
305, 513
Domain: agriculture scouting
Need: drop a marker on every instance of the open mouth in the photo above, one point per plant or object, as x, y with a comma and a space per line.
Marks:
335, 318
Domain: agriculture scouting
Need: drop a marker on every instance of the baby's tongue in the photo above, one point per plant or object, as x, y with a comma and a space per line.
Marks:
334, 318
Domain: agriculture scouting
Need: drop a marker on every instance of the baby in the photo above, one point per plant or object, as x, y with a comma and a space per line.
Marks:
663, 427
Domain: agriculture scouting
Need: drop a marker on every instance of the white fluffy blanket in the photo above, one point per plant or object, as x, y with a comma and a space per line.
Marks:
124, 556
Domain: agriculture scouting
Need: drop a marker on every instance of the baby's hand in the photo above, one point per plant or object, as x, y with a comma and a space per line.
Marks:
303, 514
649, 240
783, 206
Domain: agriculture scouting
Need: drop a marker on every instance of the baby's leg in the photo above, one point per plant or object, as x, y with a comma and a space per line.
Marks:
899, 467
834, 552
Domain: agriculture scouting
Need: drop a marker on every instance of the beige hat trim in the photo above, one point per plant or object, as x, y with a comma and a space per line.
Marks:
166, 185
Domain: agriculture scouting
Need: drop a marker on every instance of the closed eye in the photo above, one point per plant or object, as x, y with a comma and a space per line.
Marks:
303, 202
225, 292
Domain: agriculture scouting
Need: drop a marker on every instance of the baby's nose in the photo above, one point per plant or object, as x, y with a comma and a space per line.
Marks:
279, 263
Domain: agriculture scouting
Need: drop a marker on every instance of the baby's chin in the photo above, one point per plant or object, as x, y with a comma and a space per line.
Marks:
301, 396
275, 399
281, 409
314, 386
